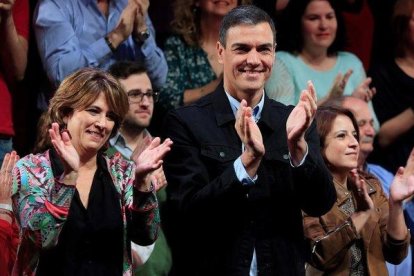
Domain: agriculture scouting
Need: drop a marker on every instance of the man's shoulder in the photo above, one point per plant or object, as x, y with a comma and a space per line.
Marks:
61, 4
198, 107
378, 170
70, 9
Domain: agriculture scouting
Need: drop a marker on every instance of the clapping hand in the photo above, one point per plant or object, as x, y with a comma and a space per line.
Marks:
299, 121
360, 191
363, 91
248, 131
62, 143
6, 6
339, 85
402, 186
141, 12
149, 160
126, 22
7, 166
143, 6
157, 176
158, 179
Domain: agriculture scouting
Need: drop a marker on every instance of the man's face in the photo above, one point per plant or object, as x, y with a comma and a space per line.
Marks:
363, 116
247, 58
140, 111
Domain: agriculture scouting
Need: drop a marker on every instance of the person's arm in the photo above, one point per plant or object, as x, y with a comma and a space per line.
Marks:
298, 123
140, 198
8, 231
142, 211
192, 95
13, 46
393, 128
7, 249
6, 212
306, 159
401, 189
152, 56
60, 49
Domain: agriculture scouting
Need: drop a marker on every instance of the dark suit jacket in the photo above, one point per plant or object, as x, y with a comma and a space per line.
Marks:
214, 221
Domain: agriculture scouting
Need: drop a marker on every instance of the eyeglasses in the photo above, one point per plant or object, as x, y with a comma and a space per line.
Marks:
136, 95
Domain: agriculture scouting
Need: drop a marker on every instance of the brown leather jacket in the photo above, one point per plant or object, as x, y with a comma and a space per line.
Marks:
331, 235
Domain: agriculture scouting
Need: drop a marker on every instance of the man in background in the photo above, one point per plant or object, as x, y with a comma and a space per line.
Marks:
131, 139
72, 34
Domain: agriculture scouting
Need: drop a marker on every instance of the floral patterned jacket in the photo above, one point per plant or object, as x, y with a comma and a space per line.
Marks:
42, 202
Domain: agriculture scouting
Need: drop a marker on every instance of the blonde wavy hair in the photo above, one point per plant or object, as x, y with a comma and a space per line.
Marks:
186, 22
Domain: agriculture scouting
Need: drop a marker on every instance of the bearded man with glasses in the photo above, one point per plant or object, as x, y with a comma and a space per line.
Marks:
131, 139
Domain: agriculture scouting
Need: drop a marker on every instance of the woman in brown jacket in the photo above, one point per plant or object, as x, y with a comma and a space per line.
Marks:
364, 228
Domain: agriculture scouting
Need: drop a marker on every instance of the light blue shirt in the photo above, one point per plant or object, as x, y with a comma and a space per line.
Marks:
386, 178
291, 74
71, 34
239, 168
299, 73
119, 143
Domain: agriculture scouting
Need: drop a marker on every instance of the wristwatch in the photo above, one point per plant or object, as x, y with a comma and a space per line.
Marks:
142, 36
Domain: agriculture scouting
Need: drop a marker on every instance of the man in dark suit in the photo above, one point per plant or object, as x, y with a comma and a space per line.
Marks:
243, 166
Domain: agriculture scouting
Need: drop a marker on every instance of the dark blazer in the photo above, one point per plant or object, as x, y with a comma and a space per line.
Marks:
214, 222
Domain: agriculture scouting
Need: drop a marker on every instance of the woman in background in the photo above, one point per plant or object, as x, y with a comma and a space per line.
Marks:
193, 67
394, 102
311, 37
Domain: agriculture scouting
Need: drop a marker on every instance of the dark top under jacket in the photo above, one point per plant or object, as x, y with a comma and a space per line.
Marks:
91, 239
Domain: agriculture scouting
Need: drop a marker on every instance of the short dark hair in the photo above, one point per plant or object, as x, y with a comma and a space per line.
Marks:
126, 68
290, 27
244, 15
326, 115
